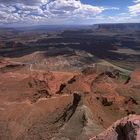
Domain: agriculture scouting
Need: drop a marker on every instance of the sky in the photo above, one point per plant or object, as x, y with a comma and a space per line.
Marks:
68, 12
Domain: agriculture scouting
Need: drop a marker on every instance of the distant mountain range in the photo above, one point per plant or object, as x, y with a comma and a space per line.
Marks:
106, 27
117, 26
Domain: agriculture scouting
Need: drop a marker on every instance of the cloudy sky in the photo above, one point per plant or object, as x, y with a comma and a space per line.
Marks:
28, 12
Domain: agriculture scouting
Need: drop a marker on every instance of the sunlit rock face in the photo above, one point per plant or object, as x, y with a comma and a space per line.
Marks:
42, 104
127, 128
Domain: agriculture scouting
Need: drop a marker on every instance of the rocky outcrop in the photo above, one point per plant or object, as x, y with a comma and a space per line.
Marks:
127, 128
41, 104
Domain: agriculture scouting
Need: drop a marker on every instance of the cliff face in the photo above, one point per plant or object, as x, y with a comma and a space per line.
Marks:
127, 128
42, 105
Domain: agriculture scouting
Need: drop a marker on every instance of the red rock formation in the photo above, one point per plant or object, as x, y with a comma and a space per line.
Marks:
42, 104
127, 128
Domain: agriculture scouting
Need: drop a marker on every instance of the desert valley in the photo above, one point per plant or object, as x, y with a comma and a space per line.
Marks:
70, 82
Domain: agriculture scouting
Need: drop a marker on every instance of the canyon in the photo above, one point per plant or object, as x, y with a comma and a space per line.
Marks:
73, 84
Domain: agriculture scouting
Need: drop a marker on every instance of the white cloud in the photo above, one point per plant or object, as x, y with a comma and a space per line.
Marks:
45, 10
135, 9
136, 1
51, 12
26, 2
72, 8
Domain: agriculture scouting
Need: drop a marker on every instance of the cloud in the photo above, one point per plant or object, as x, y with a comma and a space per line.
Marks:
26, 2
135, 9
136, 1
119, 18
60, 12
72, 8
45, 10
